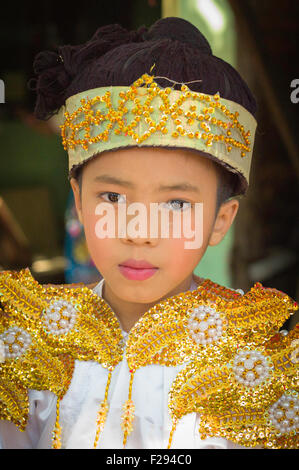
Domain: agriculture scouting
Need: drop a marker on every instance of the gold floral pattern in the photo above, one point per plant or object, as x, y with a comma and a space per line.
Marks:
240, 373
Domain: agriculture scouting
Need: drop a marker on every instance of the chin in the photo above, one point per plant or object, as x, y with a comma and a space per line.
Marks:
140, 295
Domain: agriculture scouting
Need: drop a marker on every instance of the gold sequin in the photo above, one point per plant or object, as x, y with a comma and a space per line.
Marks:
166, 335
85, 120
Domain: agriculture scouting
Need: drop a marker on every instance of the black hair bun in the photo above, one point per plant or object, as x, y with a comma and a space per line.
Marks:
115, 56
178, 29
56, 70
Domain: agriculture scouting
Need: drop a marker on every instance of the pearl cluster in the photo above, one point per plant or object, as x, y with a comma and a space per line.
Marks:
60, 317
251, 368
203, 119
205, 325
284, 414
16, 341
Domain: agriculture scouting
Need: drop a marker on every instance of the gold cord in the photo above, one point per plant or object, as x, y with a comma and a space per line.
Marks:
56, 441
102, 413
174, 424
128, 413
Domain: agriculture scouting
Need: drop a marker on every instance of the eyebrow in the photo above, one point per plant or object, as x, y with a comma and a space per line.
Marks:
113, 180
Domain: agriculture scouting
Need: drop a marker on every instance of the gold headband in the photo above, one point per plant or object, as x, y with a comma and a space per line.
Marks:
146, 115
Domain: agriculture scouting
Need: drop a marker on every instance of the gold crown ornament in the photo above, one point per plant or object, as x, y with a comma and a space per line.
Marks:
144, 114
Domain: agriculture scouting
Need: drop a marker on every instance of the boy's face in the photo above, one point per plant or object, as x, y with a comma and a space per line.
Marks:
145, 169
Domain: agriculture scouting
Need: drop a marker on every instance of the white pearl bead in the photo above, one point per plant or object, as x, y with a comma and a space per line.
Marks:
203, 325
290, 414
10, 339
255, 358
250, 376
284, 332
240, 291
259, 369
248, 364
243, 353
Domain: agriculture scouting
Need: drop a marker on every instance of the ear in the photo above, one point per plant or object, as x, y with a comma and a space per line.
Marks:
225, 217
76, 192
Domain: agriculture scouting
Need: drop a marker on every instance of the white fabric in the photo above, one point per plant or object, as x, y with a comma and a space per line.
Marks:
79, 407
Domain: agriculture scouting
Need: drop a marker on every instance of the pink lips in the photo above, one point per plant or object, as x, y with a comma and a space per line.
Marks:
137, 270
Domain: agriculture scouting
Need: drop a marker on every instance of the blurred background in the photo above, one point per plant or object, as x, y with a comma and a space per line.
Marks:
39, 228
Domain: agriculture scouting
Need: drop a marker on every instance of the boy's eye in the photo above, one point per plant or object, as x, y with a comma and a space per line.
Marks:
180, 204
112, 197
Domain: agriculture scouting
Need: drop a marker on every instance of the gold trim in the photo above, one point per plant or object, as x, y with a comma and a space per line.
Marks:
167, 334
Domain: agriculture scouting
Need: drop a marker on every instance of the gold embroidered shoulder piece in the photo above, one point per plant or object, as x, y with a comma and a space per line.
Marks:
244, 380
42, 331
240, 375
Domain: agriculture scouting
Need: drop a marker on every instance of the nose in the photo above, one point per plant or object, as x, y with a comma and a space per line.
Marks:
140, 231
140, 241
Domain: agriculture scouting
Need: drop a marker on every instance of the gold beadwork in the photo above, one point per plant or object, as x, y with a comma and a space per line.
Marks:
56, 440
48, 362
102, 413
84, 119
166, 335
230, 406
128, 413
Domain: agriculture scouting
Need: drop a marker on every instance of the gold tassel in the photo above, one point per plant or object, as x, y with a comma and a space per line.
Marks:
174, 424
128, 414
102, 413
56, 440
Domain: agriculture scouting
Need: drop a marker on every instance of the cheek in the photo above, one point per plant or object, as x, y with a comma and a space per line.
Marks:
196, 225
191, 246
100, 249
176, 252
179, 257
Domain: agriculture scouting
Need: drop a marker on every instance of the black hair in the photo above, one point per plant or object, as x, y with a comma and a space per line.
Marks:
115, 56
